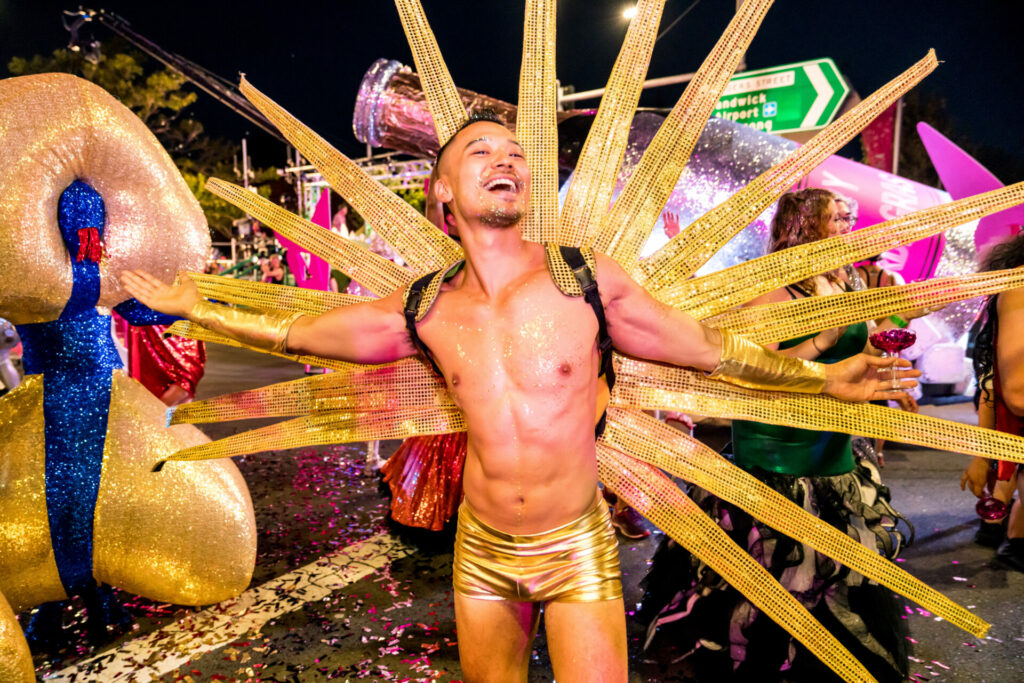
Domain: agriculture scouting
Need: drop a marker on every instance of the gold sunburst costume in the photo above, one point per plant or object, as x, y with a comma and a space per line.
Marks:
404, 398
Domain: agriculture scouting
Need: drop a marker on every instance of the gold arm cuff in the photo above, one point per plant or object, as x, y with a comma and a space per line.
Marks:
267, 331
749, 365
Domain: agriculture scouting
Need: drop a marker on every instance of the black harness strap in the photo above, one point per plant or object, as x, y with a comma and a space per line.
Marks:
412, 307
588, 283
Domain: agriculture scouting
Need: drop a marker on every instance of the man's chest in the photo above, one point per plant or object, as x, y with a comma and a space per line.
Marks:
532, 337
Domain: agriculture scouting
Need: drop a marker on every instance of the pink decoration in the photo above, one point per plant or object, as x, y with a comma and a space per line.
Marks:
962, 175
310, 271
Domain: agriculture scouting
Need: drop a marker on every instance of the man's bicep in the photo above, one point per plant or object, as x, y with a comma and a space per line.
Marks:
644, 327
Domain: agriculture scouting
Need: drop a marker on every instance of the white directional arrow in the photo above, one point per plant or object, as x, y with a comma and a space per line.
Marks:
823, 92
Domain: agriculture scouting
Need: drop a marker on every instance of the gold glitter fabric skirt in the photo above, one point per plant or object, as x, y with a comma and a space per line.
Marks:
576, 562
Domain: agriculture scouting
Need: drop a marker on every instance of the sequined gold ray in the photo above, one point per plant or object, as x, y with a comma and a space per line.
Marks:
590, 191
375, 273
650, 386
768, 323
536, 122
403, 385
646, 489
657, 444
270, 297
445, 104
713, 294
629, 224
423, 246
324, 429
696, 243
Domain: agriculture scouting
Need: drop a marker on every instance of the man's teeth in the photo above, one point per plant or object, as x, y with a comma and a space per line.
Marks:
500, 184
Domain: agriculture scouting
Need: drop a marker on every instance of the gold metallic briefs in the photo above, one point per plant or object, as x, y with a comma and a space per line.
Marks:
576, 562
746, 364
267, 331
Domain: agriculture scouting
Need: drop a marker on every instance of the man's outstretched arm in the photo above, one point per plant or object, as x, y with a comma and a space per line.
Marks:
646, 328
371, 332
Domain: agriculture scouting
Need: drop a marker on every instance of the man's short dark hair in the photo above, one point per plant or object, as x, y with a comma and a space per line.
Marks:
489, 115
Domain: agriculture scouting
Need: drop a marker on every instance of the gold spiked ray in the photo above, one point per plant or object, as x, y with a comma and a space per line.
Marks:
270, 297
774, 322
651, 386
406, 384
324, 429
423, 246
375, 273
647, 490
696, 243
590, 191
655, 443
629, 224
718, 292
536, 121
445, 104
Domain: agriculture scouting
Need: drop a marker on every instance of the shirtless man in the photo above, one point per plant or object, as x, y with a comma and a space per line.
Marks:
521, 360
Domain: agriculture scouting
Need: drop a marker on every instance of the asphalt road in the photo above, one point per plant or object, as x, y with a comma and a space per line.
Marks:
336, 596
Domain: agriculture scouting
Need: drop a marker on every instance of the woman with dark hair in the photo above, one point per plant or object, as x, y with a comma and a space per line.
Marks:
998, 350
689, 605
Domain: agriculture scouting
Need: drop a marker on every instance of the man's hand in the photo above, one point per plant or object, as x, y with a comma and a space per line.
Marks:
176, 299
865, 378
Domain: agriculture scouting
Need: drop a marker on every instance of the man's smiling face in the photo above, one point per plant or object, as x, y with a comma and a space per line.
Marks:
484, 176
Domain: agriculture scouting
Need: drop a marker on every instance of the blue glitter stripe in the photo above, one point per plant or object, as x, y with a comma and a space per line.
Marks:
76, 355
80, 207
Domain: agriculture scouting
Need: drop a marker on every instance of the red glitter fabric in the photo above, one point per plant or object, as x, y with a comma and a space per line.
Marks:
158, 363
90, 245
425, 476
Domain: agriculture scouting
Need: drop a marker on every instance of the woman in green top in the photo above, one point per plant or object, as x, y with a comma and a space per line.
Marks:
693, 609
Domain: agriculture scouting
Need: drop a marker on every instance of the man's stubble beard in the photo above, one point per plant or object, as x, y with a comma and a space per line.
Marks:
501, 218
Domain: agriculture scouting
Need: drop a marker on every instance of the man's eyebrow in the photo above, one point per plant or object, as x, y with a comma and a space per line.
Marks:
484, 138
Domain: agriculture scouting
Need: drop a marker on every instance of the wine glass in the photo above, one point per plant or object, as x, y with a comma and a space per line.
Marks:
890, 343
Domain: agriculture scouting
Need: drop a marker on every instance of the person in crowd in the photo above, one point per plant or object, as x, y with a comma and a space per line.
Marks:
273, 269
867, 275
690, 606
999, 368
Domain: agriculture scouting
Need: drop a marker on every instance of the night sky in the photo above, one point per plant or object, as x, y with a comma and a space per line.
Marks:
310, 56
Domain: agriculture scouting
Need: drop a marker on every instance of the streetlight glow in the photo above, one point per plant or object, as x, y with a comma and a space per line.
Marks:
629, 12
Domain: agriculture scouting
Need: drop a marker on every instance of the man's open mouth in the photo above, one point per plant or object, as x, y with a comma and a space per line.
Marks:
502, 183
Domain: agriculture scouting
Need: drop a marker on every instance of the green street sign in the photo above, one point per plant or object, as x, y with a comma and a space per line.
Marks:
785, 99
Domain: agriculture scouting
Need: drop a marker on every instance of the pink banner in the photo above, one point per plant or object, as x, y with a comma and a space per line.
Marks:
310, 271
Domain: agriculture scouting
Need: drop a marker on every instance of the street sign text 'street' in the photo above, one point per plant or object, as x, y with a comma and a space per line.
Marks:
785, 99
